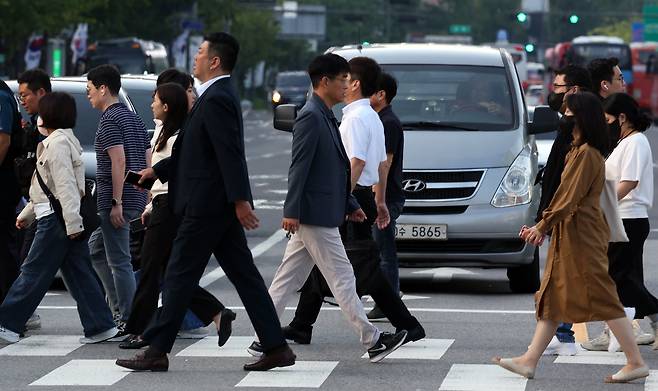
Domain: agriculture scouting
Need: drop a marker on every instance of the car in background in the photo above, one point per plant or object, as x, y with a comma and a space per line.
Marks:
88, 117
534, 95
140, 89
544, 141
290, 87
129, 55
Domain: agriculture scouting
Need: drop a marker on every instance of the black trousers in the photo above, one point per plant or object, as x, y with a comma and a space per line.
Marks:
9, 264
627, 269
198, 237
380, 290
155, 252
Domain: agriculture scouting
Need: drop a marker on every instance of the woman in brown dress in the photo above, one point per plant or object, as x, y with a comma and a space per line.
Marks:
576, 286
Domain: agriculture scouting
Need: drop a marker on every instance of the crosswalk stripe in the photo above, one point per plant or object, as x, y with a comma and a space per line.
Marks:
207, 347
43, 345
425, 349
651, 384
477, 377
593, 358
304, 374
84, 373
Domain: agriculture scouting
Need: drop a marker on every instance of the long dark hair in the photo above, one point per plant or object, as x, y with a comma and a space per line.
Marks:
588, 113
175, 97
621, 103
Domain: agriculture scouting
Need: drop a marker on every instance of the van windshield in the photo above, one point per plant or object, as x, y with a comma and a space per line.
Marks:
462, 96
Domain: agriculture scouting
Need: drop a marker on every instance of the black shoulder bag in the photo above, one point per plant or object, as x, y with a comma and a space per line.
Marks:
90, 219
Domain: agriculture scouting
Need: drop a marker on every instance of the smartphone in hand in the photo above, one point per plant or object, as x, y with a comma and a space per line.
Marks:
136, 225
133, 178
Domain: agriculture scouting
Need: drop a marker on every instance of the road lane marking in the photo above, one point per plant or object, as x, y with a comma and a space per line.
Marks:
207, 347
425, 349
84, 373
43, 345
593, 358
309, 374
475, 377
651, 384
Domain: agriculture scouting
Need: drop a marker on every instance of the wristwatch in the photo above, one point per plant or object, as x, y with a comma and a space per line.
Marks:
116, 202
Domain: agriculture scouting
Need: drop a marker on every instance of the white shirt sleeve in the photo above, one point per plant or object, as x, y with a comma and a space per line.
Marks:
357, 136
633, 161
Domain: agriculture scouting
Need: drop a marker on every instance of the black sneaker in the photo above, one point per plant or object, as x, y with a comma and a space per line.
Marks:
414, 334
293, 334
376, 315
255, 349
121, 334
386, 344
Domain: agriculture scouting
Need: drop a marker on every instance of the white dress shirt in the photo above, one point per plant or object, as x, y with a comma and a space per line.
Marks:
156, 156
204, 86
362, 133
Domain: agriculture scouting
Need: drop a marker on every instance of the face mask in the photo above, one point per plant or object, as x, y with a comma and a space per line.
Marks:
614, 129
567, 123
40, 127
555, 101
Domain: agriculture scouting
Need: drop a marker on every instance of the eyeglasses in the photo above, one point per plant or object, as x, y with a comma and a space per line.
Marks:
620, 78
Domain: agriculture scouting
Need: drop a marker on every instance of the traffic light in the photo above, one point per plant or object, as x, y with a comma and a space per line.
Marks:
573, 18
530, 47
522, 17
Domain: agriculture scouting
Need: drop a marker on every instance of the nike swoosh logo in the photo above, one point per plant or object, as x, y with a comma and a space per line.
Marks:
380, 349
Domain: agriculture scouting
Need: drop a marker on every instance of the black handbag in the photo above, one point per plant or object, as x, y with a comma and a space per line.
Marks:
88, 212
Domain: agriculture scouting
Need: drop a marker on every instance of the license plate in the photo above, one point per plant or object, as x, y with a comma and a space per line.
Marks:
422, 231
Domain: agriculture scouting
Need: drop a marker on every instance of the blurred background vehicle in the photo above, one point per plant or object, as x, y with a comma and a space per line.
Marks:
290, 87
130, 55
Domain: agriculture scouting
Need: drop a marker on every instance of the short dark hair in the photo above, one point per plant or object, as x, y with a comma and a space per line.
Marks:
35, 80
389, 85
57, 110
588, 113
226, 47
576, 76
327, 65
106, 75
621, 103
367, 72
173, 75
601, 69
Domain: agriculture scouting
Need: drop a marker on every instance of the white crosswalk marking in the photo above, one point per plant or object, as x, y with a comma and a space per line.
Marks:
475, 377
308, 374
425, 349
43, 345
651, 384
84, 373
593, 358
207, 347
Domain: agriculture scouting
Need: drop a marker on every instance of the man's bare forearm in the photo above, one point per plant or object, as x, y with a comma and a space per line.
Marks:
357, 166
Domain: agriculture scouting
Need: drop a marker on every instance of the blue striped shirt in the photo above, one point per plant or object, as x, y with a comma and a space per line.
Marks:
120, 126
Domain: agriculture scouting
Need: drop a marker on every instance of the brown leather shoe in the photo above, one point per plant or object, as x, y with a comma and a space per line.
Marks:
141, 363
282, 357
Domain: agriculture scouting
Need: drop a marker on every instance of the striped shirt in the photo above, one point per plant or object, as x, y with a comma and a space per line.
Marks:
120, 126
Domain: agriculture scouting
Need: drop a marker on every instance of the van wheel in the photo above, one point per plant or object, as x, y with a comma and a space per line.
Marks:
525, 279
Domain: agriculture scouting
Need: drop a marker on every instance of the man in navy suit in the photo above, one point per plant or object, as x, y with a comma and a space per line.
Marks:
209, 189
319, 199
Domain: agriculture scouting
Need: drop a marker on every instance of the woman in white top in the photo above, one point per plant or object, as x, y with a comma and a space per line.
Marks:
631, 165
170, 107
59, 242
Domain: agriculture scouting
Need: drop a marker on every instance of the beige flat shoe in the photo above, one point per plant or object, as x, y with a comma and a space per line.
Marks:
507, 363
625, 377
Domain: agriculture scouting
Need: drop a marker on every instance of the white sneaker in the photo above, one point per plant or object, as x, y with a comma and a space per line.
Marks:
614, 343
598, 344
8, 336
641, 338
557, 348
197, 333
100, 337
34, 323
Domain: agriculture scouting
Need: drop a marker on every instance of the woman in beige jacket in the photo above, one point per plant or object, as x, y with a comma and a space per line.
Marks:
57, 243
576, 286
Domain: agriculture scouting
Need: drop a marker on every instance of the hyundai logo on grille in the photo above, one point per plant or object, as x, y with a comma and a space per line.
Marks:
413, 185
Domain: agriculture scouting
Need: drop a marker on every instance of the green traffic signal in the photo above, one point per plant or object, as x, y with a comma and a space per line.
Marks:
522, 17
529, 48
573, 18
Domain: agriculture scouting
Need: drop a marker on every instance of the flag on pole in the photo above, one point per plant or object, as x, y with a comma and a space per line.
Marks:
179, 50
79, 42
33, 51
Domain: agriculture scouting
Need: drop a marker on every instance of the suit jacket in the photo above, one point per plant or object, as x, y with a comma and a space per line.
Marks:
319, 176
207, 169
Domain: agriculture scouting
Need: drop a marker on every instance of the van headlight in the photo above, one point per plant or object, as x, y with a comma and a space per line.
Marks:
516, 187
276, 96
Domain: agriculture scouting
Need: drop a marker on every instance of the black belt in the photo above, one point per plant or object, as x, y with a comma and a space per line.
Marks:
359, 187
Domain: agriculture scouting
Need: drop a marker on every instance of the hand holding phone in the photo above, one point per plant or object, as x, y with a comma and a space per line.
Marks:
133, 178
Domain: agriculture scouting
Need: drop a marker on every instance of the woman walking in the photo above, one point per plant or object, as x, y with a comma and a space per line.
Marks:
59, 241
170, 107
576, 286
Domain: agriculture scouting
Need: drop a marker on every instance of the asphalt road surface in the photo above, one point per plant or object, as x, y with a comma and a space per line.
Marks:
470, 315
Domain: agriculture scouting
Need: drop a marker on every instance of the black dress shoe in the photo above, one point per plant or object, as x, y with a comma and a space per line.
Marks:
282, 357
414, 334
133, 342
293, 334
225, 329
140, 362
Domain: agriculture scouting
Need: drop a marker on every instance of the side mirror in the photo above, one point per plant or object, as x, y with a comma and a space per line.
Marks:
284, 117
544, 120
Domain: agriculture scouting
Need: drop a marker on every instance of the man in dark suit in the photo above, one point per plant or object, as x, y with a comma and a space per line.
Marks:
318, 200
209, 189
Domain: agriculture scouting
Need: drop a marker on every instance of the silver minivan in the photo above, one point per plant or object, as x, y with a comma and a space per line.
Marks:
470, 158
